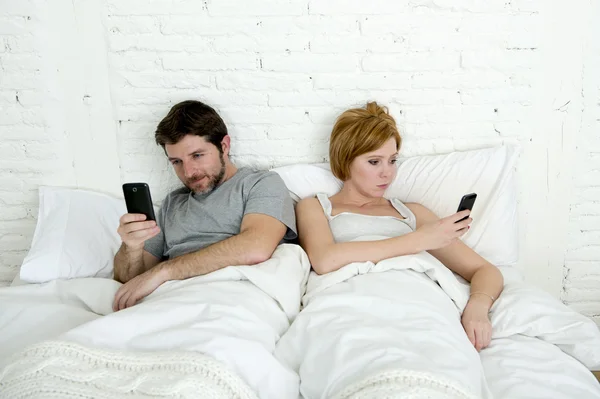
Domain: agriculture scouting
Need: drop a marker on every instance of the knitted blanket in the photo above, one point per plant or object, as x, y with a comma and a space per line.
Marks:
57, 369
405, 384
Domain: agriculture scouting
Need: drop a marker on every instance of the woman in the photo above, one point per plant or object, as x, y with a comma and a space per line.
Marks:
363, 150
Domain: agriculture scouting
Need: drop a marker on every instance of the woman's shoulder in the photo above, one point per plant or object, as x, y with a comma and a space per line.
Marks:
308, 202
421, 212
414, 206
311, 204
318, 197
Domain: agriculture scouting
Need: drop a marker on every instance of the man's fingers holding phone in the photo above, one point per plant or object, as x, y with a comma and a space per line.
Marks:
143, 234
137, 226
137, 238
134, 230
132, 217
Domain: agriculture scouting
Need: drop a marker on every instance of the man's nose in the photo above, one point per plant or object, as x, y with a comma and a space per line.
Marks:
188, 170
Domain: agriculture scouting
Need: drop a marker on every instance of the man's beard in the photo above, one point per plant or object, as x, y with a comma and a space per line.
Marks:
213, 181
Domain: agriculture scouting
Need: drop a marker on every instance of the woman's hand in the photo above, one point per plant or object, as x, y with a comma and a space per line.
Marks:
443, 232
476, 322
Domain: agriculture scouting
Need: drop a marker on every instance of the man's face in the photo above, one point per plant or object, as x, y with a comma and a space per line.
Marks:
198, 164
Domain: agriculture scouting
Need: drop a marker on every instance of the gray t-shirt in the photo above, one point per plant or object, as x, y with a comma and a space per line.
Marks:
190, 222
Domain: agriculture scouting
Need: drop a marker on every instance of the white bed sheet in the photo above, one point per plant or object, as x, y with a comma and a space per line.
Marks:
235, 315
374, 329
522, 367
349, 329
30, 313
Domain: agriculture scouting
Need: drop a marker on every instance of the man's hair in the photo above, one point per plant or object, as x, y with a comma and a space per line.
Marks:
358, 131
191, 117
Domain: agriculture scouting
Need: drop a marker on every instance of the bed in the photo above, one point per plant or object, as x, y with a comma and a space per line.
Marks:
215, 333
374, 330
276, 330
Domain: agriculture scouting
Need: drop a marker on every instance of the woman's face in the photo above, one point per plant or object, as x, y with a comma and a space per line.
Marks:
371, 173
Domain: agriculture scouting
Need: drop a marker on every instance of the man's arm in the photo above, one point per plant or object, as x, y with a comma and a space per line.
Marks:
132, 259
132, 262
259, 236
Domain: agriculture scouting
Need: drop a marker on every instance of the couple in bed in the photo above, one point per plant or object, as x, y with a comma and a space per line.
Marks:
237, 216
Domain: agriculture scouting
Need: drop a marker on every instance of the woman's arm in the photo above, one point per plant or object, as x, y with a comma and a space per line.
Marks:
486, 280
327, 256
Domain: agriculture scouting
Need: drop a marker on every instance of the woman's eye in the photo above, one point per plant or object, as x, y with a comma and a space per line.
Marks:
373, 162
394, 161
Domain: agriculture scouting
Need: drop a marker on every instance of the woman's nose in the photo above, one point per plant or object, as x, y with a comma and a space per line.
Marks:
385, 172
388, 171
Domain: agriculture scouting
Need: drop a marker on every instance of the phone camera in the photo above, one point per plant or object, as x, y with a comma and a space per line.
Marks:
135, 190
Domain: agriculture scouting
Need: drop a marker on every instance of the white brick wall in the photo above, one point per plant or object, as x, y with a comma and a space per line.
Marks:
582, 261
93, 78
31, 149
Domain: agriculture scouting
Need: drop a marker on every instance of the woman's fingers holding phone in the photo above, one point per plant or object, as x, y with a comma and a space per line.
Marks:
463, 227
460, 215
440, 233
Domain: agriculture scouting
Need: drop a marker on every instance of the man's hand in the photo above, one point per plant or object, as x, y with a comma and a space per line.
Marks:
139, 287
135, 230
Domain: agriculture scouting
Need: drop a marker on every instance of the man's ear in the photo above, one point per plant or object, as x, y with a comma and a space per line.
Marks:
226, 145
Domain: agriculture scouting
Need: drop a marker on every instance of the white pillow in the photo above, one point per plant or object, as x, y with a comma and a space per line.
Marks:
439, 182
307, 180
76, 235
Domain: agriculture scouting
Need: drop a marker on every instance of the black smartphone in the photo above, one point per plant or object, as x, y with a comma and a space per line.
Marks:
466, 202
138, 199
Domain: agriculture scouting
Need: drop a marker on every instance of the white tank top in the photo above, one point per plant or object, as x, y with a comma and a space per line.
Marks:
348, 226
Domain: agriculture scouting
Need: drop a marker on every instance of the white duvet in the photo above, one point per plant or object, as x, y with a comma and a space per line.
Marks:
214, 334
392, 329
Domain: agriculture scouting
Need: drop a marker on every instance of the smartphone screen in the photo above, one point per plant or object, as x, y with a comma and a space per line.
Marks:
138, 199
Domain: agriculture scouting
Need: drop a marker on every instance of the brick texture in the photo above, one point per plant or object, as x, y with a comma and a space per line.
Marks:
582, 261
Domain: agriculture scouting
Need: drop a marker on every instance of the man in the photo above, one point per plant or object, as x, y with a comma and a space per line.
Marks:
223, 216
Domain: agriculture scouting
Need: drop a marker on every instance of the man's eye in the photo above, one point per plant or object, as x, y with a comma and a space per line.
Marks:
196, 156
